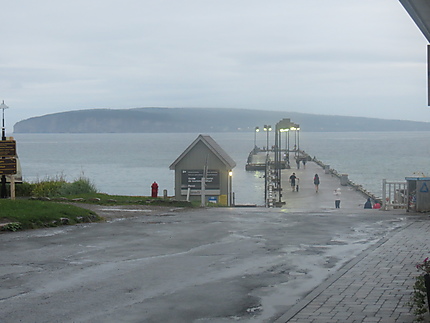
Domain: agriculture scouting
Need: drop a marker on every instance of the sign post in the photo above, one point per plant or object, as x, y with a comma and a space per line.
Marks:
8, 166
8, 148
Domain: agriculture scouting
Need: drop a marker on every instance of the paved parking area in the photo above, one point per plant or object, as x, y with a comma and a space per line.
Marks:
304, 262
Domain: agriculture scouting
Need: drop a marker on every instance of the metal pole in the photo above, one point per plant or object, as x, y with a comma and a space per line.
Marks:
276, 155
265, 183
3, 193
257, 129
3, 132
280, 168
295, 142
230, 188
384, 193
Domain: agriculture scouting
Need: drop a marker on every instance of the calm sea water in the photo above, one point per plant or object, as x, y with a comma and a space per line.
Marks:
127, 164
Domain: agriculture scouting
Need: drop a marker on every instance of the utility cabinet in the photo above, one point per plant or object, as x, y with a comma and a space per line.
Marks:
418, 193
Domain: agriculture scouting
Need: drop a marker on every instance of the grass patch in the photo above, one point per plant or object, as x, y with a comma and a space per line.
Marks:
24, 214
83, 190
43, 210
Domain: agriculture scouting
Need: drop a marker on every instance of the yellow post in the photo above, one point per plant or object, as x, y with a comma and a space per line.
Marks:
222, 199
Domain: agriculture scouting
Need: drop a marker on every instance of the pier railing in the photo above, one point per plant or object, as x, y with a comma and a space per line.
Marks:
394, 195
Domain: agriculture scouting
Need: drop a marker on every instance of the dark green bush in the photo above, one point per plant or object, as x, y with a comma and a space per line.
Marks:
23, 189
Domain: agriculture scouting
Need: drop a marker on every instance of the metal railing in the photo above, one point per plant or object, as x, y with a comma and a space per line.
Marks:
394, 195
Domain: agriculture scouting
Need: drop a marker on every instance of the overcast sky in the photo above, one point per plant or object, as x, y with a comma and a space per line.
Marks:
338, 57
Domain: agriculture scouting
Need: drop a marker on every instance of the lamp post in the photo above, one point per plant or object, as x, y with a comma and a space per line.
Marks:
287, 146
279, 130
257, 129
230, 188
267, 128
3, 192
295, 138
3, 130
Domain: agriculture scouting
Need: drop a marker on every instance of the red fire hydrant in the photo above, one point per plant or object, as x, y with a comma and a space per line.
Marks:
154, 189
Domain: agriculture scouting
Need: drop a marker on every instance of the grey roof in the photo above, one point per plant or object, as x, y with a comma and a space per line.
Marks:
419, 10
213, 146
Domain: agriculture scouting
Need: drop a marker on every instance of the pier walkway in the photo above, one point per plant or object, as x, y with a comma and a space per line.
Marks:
307, 198
376, 285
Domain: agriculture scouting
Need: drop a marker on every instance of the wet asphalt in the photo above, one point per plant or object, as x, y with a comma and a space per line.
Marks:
173, 265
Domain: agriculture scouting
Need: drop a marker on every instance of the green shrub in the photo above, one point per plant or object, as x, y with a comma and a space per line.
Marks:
13, 226
55, 187
48, 188
80, 186
418, 300
24, 189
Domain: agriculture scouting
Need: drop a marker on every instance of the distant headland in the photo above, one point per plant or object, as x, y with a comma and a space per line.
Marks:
200, 120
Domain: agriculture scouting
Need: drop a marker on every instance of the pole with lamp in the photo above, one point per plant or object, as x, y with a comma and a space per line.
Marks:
230, 188
267, 128
257, 129
3, 192
287, 146
281, 126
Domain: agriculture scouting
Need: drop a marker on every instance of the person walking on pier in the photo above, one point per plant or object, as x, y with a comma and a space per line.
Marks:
316, 182
337, 198
293, 181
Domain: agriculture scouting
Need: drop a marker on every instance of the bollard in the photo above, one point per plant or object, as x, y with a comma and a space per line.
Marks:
165, 194
344, 179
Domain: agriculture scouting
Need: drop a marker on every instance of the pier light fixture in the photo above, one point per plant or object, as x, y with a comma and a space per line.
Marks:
267, 128
257, 129
287, 141
296, 129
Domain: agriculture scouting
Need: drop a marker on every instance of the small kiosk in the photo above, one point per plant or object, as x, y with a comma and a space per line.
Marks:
418, 189
204, 159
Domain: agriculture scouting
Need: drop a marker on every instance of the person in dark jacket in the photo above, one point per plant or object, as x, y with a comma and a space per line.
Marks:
368, 204
316, 182
293, 181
